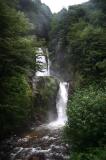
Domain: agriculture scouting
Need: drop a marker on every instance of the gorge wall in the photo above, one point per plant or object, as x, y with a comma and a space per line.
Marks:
39, 15
75, 34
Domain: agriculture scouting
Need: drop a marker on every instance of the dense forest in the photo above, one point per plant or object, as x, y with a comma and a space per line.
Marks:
18, 48
78, 53
76, 40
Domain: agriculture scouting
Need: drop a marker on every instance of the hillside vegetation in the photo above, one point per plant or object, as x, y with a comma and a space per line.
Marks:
18, 52
78, 55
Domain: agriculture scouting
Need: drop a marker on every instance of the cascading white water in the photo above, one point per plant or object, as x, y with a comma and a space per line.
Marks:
61, 105
62, 96
62, 101
45, 64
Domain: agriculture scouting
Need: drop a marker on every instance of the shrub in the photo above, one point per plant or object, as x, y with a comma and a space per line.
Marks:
15, 103
87, 118
92, 154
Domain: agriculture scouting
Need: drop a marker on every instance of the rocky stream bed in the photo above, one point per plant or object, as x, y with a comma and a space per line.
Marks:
37, 144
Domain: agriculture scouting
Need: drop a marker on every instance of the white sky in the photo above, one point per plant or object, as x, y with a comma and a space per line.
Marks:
57, 5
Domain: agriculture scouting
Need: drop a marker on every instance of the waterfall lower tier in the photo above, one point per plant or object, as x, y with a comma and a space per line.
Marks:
62, 101
61, 104
44, 142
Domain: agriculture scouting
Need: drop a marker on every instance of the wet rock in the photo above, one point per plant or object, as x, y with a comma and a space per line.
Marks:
47, 145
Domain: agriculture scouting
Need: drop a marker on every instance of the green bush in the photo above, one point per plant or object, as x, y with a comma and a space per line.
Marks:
92, 154
15, 103
86, 126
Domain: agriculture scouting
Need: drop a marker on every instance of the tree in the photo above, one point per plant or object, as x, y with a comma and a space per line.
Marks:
17, 62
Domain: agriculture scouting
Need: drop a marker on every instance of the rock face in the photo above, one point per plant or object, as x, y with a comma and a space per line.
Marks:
39, 15
60, 65
45, 99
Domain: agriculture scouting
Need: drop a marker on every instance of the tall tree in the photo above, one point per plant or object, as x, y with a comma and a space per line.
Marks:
17, 61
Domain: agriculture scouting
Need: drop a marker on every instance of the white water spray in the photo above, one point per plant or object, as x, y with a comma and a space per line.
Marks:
61, 105
62, 101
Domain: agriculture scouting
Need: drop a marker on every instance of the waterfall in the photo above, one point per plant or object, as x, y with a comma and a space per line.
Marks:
45, 140
44, 61
61, 104
62, 96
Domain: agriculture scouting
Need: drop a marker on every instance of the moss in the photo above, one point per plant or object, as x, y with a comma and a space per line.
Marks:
45, 98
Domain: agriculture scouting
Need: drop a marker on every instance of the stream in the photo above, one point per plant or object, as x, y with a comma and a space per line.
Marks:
44, 142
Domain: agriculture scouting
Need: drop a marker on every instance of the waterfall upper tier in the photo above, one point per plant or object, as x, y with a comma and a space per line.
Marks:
43, 60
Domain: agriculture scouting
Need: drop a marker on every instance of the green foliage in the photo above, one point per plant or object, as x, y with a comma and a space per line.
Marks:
92, 154
78, 44
78, 38
87, 45
100, 4
87, 118
39, 15
15, 103
17, 63
13, 87
18, 51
